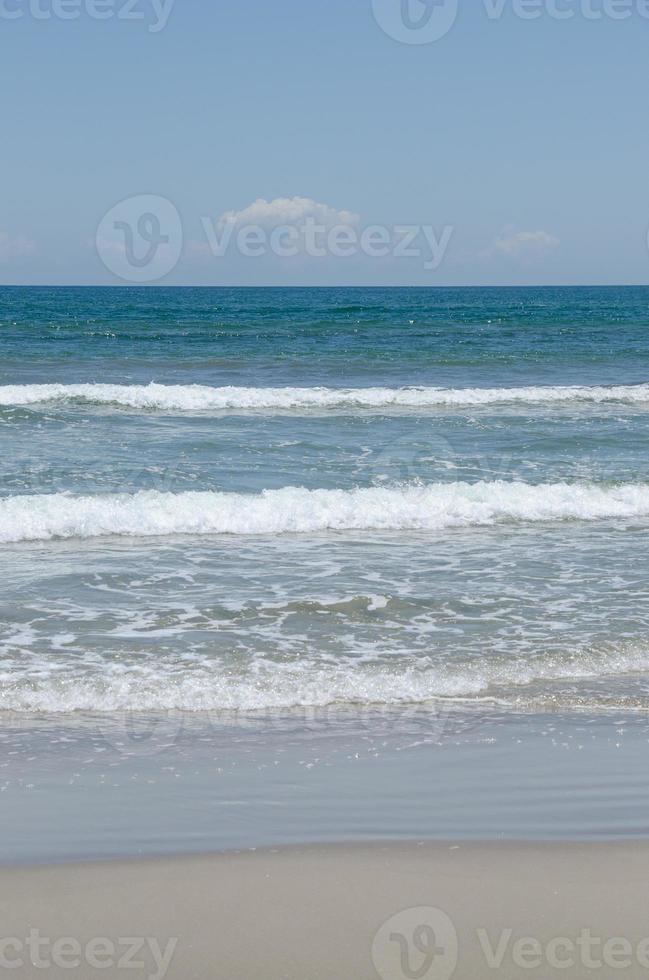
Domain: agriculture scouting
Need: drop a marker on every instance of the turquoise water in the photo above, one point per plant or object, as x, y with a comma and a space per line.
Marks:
266, 499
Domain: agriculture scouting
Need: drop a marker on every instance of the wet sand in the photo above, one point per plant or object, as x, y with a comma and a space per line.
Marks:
337, 912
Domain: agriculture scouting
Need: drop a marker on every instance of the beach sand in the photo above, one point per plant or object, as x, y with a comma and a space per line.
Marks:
337, 912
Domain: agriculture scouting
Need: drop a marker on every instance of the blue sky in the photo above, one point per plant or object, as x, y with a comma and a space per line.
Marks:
521, 144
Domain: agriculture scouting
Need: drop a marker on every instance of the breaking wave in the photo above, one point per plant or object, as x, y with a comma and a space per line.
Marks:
296, 510
203, 398
267, 686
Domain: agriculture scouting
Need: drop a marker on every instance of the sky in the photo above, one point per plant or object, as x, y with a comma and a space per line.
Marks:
369, 142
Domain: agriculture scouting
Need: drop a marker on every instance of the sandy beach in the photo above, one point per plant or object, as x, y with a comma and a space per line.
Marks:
392, 911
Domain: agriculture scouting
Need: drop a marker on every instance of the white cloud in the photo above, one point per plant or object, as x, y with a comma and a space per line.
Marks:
11, 248
289, 226
105, 245
288, 211
525, 246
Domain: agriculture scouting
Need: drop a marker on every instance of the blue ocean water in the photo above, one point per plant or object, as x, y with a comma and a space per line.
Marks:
258, 499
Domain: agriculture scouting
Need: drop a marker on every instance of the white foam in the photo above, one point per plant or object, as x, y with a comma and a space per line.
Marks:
309, 684
296, 510
202, 398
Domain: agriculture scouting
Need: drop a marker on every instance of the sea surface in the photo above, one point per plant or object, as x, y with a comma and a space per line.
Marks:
322, 504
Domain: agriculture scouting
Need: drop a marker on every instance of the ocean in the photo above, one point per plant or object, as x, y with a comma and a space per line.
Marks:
322, 505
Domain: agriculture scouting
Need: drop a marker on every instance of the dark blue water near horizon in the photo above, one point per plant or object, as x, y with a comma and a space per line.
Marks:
350, 335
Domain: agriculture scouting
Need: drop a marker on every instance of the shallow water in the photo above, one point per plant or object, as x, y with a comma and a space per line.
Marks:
125, 785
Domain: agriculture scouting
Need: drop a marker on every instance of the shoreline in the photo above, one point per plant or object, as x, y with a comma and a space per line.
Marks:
117, 790
337, 911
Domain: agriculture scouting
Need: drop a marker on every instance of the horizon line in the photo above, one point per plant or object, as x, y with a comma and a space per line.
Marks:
431, 286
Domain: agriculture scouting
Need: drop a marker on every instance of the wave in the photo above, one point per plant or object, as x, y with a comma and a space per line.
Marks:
203, 398
272, 686
296, 510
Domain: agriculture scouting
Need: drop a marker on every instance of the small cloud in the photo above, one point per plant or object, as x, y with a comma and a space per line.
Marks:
300, 222
524, 246
105, 245
288, 211
11, 248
